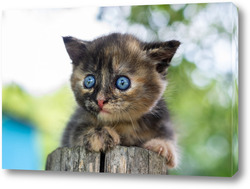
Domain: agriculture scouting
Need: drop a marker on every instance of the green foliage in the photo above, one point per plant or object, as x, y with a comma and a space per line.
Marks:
49, 113
143, 14
203, 126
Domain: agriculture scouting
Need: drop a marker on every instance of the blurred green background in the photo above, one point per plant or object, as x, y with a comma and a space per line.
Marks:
202, 93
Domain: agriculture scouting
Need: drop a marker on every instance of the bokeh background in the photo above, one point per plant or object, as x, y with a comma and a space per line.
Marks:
203, 80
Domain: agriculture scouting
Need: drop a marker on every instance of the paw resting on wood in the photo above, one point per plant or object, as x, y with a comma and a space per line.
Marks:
101, 139
165, 148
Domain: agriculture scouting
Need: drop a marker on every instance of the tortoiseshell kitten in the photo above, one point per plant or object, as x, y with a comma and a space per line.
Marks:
118, 82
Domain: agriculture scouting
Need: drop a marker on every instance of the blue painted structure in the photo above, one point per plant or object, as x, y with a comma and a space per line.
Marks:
20, 148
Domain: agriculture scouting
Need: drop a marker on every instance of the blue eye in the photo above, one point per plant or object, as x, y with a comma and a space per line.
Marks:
89, 81
122, 83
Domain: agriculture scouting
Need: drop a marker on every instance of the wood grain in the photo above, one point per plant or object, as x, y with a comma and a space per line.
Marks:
127, 160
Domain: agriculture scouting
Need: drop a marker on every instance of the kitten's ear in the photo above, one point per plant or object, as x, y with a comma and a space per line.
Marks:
76, 48
162, 53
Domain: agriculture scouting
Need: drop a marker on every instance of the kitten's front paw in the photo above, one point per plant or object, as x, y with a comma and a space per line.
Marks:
165, 148
101, 139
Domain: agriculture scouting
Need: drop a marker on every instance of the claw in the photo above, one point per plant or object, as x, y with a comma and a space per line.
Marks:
148, 147
160, 151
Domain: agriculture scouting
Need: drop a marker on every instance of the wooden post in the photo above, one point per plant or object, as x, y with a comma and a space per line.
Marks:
130, 160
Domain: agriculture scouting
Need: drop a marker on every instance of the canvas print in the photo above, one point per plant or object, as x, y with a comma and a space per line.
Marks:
146, 89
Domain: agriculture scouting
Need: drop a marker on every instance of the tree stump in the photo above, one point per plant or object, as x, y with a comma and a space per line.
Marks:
129, 160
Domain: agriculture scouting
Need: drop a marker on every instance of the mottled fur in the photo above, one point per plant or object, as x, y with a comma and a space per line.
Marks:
137, 116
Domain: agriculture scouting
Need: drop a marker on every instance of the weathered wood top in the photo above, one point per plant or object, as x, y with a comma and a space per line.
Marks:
130, 160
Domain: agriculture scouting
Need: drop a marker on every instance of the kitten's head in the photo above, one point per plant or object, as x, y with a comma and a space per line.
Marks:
118, 77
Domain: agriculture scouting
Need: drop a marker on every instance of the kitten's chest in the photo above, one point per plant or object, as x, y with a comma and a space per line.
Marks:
133, 133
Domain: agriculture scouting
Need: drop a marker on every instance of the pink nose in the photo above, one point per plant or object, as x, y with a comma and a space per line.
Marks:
100, 103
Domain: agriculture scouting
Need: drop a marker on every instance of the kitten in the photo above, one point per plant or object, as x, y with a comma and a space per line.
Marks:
118, 82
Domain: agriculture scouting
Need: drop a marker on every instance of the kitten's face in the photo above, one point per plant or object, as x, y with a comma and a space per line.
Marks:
117, 77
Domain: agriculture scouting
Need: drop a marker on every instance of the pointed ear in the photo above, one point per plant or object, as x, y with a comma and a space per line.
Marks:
76, 48
162, 53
